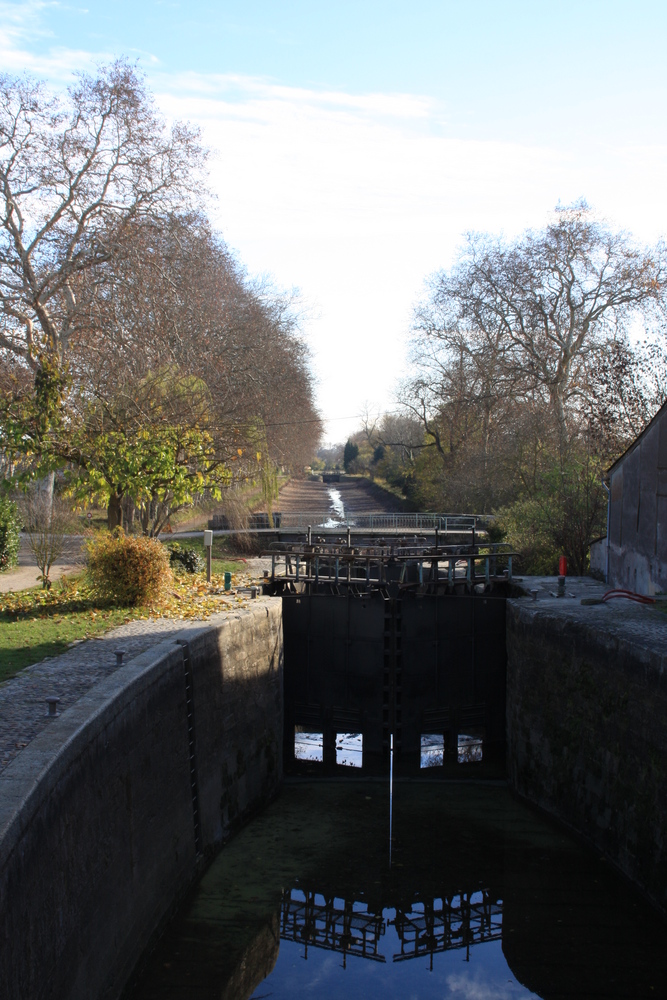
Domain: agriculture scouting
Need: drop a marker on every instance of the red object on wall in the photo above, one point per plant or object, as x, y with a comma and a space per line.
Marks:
562, 566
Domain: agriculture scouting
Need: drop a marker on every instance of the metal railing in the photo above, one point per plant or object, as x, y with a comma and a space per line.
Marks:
371, 521
374, 566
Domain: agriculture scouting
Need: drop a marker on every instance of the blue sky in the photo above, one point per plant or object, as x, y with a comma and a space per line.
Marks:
355, 143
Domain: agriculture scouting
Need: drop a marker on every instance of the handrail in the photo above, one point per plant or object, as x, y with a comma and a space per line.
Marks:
377, 520
368, 567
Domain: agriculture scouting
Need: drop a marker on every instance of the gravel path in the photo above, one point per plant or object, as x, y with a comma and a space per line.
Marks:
23, 709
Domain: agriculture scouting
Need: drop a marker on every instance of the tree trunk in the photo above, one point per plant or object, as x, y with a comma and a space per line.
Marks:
114, 511
128, 513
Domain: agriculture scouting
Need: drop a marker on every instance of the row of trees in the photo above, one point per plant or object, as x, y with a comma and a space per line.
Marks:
534, 363
135, 355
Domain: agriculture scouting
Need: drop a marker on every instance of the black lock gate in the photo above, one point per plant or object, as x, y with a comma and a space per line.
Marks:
422, 671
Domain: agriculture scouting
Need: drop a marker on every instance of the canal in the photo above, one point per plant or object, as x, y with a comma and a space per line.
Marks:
482, 899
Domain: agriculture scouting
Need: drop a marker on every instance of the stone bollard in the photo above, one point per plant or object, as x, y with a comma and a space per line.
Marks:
52, 702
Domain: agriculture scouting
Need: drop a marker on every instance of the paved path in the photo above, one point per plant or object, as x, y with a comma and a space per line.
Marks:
23, 709
26, 574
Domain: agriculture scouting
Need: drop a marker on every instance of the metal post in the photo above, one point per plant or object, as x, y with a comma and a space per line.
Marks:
509, 567
391, 790
208, 545
450, 571
606, 570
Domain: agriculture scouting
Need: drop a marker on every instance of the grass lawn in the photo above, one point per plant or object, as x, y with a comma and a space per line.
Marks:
36, 623
32, 636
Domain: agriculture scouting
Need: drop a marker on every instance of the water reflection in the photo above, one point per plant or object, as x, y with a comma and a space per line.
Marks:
426, 928
483, 899
332, 924
460, 921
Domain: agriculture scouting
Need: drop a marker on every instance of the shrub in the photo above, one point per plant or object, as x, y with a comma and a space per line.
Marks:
189, 559
10, 539
567, 511
128, 570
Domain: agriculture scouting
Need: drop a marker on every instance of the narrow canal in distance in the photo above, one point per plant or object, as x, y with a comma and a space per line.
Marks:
484, 900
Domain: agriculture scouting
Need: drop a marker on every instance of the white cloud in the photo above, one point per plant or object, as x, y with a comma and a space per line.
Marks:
21, 25
474, 986
355, 198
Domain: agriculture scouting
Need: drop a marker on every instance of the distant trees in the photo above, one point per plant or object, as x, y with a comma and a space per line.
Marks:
525, 379
134, 353
350, 453
524, 322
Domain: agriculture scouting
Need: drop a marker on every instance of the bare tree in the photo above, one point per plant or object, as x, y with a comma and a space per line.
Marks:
541, 306
76, 175
45, 520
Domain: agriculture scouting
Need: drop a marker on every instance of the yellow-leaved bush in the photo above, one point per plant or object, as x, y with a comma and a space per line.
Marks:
128, 570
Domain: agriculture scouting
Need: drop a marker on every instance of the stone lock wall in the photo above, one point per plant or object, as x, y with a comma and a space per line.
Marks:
107, 817
587, 736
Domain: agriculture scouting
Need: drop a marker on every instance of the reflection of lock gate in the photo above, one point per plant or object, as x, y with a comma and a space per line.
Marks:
324, 925
456, 921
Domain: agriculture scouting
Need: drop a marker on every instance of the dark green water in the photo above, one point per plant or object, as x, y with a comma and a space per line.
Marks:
484, 900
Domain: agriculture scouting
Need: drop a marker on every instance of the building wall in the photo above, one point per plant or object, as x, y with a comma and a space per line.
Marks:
638, 513
587, 735
598, 556
97, 815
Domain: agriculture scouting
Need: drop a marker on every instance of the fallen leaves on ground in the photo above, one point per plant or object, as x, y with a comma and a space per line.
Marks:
193, 598
189, 598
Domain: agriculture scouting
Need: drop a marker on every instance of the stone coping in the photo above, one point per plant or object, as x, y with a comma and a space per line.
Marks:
621, 626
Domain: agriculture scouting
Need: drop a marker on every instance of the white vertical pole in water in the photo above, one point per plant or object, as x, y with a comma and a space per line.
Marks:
391, 789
